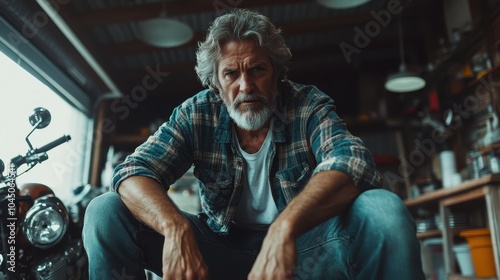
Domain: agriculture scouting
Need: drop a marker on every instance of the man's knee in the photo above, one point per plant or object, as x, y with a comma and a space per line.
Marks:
104, 213
383, 210
101, 206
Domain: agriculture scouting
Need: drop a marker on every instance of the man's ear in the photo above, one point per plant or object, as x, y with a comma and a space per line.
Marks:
213, 88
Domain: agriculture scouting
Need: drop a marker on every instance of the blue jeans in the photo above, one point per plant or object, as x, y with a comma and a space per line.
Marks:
375, 238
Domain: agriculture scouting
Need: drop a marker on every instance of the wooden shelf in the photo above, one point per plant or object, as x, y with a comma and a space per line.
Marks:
429, 233
438, 232
489, 148
464, 197
469, 42
446, 192
458, 53
460, 277
471, 86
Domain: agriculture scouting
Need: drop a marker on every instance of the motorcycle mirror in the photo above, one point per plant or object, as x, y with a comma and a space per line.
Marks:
40, 118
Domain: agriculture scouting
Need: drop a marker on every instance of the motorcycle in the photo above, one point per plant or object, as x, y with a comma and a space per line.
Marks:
39, 238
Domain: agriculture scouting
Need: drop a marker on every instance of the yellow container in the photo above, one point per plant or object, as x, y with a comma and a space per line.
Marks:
481, 250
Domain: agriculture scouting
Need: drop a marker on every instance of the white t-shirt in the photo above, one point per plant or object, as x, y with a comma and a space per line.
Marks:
257, 209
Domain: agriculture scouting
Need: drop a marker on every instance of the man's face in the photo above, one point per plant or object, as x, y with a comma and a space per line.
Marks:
247, 84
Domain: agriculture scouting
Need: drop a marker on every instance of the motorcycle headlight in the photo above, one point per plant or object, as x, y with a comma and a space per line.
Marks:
46, 222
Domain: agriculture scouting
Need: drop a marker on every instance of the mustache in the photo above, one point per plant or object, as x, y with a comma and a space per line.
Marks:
250, 97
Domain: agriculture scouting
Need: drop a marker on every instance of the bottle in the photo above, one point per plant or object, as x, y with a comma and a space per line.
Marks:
473, 164
494, 164
107, 172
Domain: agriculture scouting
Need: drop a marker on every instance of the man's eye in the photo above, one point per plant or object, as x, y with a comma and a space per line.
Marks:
258, 68
230, 73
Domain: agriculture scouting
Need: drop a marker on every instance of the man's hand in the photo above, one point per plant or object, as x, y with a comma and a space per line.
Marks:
276, 259
149, 203
182, 258
327, 194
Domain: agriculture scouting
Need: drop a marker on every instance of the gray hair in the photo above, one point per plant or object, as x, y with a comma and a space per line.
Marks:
237, 25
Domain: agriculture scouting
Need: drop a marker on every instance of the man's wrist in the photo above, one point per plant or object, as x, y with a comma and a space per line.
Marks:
172, 226
284, 229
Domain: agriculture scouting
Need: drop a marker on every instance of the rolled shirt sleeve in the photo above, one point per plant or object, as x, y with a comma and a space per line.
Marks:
164, 157
335, 148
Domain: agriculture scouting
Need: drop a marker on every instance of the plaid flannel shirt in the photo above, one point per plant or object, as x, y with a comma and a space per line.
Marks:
308, 137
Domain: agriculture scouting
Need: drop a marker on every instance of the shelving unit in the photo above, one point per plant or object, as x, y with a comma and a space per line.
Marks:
436, 233
440, 194
490, 191
479, 198
469, 43
429, 234
487, 188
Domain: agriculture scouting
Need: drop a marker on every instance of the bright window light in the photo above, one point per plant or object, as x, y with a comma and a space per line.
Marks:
20, 93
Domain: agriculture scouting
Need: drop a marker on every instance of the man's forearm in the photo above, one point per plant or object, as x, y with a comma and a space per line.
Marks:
149, 203
327, 194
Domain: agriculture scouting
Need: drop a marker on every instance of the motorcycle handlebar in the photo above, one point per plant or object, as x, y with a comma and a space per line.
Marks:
36, 155
53, 144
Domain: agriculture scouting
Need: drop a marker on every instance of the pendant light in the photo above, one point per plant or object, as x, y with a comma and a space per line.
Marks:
404, 80
164, 32
342, 4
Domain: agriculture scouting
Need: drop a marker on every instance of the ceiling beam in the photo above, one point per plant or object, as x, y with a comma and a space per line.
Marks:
85, 38
297, 54
316, 26
173, 8
137, 75
135, 47
289, 28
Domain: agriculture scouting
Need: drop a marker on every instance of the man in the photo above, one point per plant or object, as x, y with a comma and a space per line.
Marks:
286, 191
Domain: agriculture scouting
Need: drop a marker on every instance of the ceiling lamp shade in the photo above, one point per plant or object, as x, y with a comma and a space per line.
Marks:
164, 32
404, 80
342, 4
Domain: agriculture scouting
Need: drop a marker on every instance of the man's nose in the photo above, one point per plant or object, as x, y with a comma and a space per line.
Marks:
246, 84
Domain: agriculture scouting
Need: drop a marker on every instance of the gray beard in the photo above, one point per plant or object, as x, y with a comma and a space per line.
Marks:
250, 120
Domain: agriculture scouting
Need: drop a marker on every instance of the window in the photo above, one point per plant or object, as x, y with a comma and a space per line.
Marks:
67, 165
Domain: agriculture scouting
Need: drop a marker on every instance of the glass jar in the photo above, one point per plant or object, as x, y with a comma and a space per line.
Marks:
494, 158
474, 164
